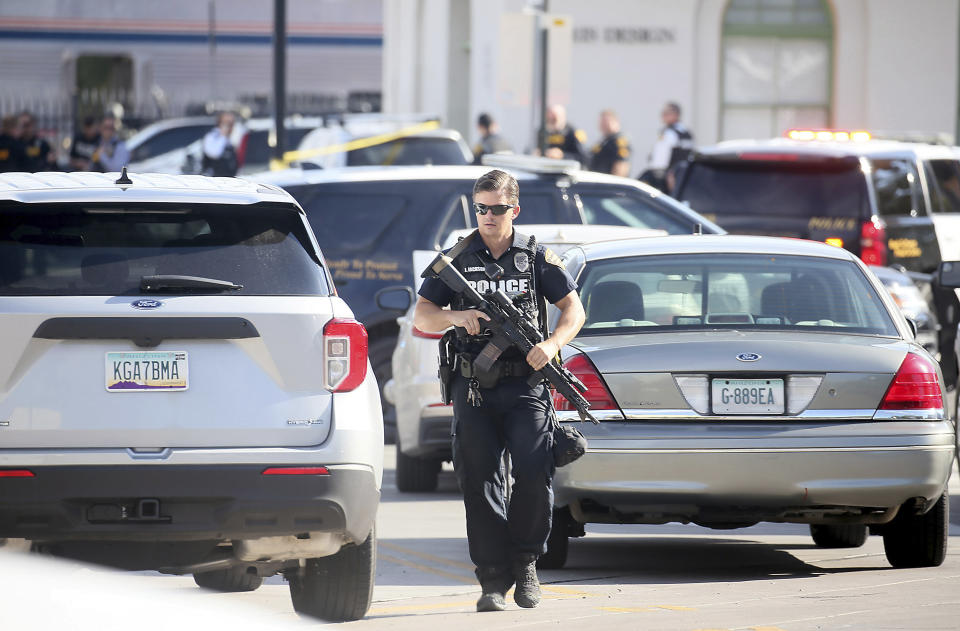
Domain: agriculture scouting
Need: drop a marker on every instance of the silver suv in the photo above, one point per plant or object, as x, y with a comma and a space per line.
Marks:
181, 389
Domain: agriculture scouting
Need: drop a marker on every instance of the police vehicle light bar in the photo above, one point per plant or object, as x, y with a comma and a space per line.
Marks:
828, 135
534, 164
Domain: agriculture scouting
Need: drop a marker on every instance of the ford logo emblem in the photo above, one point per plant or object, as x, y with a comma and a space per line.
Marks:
146, 304
748, 357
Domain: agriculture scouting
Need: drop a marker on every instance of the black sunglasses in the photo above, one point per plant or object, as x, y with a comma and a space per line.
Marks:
497, 209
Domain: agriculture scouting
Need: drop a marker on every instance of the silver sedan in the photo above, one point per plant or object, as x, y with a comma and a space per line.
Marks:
747, 379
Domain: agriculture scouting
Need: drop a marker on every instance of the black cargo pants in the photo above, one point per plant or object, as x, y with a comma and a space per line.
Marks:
516, 417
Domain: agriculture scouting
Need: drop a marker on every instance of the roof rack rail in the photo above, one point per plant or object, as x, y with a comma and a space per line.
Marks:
535, 164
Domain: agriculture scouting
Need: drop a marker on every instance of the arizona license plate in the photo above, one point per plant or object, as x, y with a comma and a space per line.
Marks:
147, 371
748, 396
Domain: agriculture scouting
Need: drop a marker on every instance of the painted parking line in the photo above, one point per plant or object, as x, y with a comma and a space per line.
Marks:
646, 609
428, 569
425, 555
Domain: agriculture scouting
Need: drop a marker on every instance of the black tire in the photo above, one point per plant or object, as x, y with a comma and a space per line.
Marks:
337, 588
839, 535
381, 360
558, 543
234, 579
417, 475
918, 540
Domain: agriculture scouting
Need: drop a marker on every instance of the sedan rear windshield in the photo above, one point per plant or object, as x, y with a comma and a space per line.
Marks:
721, 291
70, 250
770, 189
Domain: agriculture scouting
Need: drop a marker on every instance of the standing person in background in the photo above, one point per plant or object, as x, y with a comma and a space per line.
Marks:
11, 151
219, 155
85, 143
612, 154
490, 139
112, 154
563, 140
37, 152
672, 147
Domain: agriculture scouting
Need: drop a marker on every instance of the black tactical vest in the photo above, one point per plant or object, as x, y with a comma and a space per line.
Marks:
513, 273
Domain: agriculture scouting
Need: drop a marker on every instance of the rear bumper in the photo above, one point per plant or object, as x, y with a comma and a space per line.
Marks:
434, 440
786, 478
193, 503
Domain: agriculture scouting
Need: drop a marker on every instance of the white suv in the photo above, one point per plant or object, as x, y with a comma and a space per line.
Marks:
181, 389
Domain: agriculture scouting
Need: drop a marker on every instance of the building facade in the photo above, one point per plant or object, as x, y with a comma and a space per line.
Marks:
167, 55
738, 68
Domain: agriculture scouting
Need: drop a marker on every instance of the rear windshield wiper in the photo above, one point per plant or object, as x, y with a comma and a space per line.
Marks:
170, 282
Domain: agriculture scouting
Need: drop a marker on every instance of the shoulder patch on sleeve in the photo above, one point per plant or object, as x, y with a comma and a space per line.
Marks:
552, 258
581, 135
623, 152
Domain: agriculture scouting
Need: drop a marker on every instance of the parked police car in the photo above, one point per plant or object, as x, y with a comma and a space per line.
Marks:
879, 199
369, 220
181, 389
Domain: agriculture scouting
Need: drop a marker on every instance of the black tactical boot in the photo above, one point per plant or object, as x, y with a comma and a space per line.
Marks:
527, 594
495, 583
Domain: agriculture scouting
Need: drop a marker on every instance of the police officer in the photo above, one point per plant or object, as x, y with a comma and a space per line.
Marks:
38, 155
490, 139
498, 409
612, 154
11, 151
219, 155
563, 140
672, 147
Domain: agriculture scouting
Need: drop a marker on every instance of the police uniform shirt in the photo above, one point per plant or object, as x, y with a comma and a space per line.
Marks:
491, 143
83, 148
35, 153
614, 148
570, 142
11, 154
547, 273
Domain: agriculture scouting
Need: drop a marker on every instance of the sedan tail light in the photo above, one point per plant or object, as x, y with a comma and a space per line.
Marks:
914, 387
344, 354
424, 334
16, 473
873, 243
597, 392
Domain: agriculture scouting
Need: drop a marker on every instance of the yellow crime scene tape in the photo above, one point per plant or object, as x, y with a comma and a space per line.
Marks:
361, 143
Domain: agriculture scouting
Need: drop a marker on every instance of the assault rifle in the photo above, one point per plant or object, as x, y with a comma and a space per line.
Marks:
509, 327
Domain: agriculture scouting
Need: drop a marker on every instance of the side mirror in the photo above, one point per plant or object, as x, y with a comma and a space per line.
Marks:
948, 274
913, 326
395, 298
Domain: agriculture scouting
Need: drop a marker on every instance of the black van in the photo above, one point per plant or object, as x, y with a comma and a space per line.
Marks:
872, 197
369, 220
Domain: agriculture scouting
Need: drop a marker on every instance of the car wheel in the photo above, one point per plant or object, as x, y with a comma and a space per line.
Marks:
339, 587
417, 475
233, 579
839, 535
381, 360
918, 540
558, 543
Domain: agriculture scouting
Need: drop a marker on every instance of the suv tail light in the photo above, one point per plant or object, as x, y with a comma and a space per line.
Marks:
430, 336
16, 473
344, 354
597, 393
873, 242
914, 387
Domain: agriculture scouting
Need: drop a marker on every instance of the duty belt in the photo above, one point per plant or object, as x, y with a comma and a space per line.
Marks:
505, 368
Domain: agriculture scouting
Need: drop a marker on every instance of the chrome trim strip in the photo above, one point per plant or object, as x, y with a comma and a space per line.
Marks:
765, 450
690, 415
932, 414
600, 415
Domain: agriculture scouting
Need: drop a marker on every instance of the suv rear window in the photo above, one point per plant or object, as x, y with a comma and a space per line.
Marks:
767, 189
71, 250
